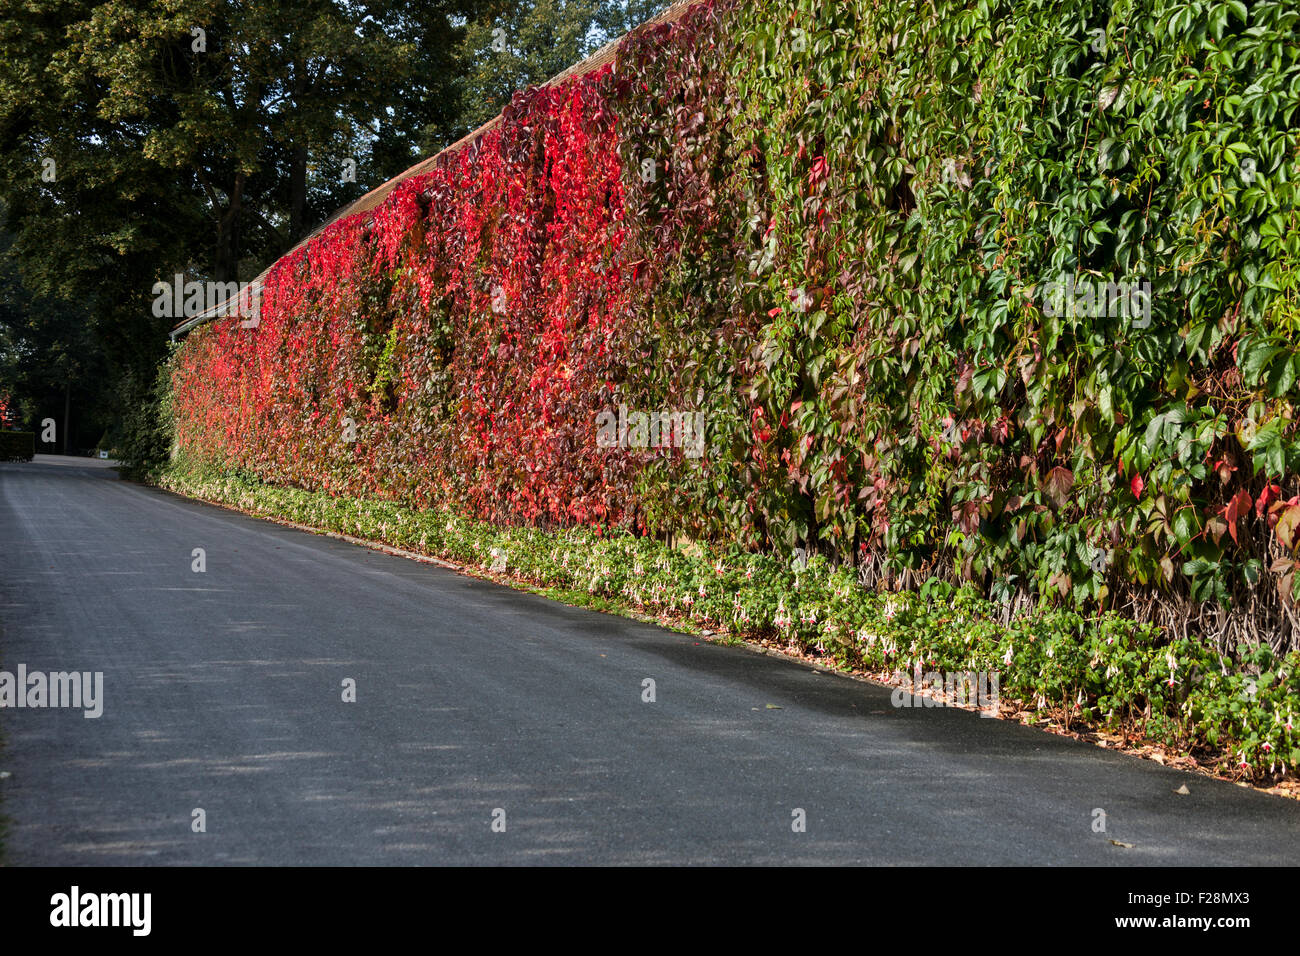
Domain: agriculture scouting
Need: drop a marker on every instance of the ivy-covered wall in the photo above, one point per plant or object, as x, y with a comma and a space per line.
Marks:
995, 291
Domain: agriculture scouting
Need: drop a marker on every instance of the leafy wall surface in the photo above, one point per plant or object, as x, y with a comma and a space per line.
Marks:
994, 292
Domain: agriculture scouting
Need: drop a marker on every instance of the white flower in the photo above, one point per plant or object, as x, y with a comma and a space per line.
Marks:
782, 617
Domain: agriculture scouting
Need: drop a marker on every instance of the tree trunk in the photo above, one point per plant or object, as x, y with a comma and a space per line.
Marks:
298, 194
225, 266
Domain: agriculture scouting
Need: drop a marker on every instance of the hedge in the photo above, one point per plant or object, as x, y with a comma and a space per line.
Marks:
17, 446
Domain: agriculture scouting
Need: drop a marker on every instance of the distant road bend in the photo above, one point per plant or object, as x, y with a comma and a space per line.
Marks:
491, 726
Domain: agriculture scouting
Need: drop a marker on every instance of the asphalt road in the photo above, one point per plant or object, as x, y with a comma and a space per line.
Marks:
223, 691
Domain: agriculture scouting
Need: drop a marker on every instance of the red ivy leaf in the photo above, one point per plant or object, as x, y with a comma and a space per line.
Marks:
1059, 482
1233, 510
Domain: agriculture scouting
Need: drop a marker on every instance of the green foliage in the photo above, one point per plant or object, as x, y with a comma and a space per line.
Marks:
51, 359
874, 318
145, 442
519, 43
226, 126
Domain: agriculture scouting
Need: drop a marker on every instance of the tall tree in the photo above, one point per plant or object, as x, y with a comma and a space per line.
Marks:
50, 365
518, 44
259, 118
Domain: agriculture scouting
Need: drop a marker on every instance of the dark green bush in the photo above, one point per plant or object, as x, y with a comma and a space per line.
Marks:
17, 446
144, 442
